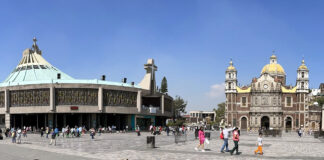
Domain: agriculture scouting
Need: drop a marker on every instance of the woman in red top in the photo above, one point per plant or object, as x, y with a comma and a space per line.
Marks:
201, 136
236, 139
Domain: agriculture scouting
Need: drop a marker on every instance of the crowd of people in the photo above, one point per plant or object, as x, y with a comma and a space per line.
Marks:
225, 135
16, 134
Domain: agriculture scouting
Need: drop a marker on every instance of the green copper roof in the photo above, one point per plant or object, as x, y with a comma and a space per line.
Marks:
34, 69
72, 81
35, 73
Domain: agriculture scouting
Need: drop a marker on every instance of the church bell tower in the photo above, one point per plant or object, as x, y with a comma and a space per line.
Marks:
230, 79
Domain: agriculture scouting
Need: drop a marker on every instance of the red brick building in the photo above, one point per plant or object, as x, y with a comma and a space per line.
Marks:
267, 102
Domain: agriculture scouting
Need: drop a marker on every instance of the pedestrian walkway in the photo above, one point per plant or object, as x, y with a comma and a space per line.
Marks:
130, 146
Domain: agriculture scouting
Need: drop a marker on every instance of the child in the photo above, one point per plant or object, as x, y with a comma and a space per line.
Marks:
201, 136
259, 144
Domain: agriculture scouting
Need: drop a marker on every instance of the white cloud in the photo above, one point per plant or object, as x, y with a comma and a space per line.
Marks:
217, 92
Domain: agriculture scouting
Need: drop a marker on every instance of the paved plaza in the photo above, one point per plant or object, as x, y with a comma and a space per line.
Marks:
130, 146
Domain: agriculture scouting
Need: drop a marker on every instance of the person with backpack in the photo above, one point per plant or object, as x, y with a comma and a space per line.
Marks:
236, 139
224, 135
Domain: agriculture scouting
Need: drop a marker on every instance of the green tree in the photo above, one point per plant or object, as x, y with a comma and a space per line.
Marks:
164, 85
220, 112
179, 106
320, 101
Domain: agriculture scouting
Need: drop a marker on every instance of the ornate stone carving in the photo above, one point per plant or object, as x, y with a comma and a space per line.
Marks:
265, 100
76, 96
33, 97
119, 98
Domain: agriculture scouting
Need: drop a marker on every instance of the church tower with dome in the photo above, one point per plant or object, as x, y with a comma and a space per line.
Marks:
267, 102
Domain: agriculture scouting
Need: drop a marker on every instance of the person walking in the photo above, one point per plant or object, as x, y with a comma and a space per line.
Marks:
99, 131
236, 139
53, 140
7, 132
19, 135
25, 133
259, 144
42, 132
167, 130
224, 135
92, 133
300, 132
13, 136
201, 136
138, 130
56, 131
196, 132
47, 132
151, 128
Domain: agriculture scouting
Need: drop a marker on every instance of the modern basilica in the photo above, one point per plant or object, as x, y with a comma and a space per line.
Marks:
267, 102
37, 94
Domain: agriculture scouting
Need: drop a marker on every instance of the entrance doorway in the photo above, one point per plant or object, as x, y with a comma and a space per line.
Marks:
288, 123
243, 123
144, 123
265, 122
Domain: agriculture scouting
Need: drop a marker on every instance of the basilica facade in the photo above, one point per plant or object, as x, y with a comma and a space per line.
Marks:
37, 94
267, 101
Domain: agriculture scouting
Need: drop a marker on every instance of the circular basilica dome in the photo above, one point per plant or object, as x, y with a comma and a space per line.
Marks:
273, 67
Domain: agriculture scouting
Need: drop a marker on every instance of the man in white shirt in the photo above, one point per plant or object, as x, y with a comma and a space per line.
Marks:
225, 134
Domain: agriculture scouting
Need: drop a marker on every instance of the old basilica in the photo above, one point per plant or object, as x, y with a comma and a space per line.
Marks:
267, 102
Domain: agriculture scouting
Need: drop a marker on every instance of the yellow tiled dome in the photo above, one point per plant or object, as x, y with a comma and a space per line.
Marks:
303, 66
273, 68
231, 67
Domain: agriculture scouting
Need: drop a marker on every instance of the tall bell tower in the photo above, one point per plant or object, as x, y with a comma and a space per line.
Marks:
230, 91
302, 78
230, 79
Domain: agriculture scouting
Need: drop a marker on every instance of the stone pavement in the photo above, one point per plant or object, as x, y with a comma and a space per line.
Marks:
130, 146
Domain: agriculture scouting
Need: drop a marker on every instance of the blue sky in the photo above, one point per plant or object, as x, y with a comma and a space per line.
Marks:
190, 40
